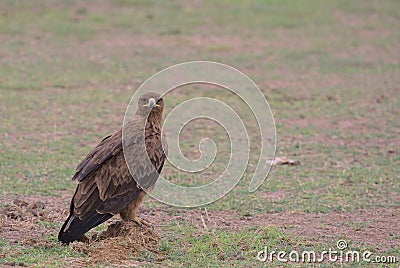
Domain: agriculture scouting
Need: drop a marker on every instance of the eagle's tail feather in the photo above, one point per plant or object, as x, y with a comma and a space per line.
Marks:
74, 228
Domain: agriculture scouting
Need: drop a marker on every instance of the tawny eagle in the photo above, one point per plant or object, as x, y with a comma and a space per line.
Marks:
106, 187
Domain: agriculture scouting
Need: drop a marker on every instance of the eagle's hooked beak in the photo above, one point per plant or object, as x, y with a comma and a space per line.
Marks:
152, 103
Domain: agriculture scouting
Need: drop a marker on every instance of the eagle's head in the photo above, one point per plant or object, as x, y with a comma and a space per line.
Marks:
151, 103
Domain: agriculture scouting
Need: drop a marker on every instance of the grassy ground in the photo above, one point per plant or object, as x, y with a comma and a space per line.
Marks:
331, 74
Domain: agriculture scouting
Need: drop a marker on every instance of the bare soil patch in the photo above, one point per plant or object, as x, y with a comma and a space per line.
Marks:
29, 220
377, 228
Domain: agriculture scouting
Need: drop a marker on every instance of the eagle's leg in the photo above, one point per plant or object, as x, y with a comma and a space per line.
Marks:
129, 213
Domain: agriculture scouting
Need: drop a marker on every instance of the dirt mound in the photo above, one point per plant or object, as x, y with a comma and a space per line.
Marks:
120, 242
21, 222
23, 210
26, 219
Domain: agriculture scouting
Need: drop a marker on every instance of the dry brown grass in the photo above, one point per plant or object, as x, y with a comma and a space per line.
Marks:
118, 244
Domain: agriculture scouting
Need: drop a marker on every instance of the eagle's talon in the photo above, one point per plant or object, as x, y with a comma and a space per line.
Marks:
142, 222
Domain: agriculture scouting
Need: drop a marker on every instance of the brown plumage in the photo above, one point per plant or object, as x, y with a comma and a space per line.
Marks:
105, 184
